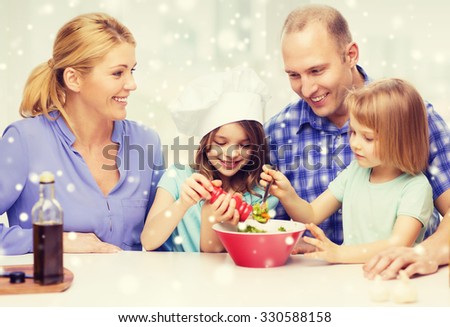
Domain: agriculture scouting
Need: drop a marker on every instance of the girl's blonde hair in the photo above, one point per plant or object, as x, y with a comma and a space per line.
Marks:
81, 43
246, 179
396, 112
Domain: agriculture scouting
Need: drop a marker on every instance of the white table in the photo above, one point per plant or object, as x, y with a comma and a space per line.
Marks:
128, 279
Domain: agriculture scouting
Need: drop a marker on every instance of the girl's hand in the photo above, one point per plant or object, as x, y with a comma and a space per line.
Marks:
281, 186
86, 243
326, 250
302, 247
223, 209
195, 188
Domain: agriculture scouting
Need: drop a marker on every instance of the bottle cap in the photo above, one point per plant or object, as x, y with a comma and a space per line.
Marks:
47, 177
17, 277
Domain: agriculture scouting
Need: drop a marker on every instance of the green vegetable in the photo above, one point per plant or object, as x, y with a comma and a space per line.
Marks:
260, 212
251, 229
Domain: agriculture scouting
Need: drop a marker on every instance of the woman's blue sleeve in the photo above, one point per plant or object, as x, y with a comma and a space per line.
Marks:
13, 176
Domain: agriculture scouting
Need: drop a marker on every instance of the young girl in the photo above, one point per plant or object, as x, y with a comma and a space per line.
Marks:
225, 109
385, 198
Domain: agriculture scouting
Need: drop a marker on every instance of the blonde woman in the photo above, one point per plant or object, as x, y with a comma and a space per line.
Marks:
385, 198
74, 108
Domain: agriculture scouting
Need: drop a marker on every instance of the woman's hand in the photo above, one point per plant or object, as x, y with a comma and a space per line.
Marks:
86, 243
388, 263
326, 249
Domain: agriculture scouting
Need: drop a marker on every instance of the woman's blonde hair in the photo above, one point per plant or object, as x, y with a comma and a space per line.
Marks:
247, 178
81, 43
396, 112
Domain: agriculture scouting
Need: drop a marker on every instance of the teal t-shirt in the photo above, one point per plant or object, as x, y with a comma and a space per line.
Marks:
370, 210
186, 236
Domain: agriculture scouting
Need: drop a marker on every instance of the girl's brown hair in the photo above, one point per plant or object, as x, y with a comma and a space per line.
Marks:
81, 43
246, 179
396, 112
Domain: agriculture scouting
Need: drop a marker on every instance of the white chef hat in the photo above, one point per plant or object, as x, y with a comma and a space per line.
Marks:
217, 99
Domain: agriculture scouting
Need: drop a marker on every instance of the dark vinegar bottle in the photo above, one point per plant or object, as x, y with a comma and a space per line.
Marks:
47, 217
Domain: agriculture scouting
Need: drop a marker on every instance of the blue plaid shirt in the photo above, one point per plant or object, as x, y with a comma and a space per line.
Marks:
311, 151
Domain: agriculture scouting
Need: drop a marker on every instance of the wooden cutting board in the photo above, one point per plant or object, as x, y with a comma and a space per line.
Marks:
30, 286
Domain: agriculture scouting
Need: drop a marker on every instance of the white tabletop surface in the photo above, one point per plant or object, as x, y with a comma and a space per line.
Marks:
161, 279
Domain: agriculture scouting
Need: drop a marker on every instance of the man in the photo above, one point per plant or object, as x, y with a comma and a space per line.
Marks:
308, 139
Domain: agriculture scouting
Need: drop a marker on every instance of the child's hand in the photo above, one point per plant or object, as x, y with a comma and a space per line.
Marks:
326, 250
281, 186
216, 182
224, 209
301, 247
195, 188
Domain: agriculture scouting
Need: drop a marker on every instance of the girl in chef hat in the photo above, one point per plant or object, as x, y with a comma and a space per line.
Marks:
224, 109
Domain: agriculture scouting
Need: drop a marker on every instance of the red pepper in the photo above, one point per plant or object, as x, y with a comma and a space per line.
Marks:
242, 207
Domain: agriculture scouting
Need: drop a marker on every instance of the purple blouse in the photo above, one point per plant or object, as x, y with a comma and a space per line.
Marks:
33, 145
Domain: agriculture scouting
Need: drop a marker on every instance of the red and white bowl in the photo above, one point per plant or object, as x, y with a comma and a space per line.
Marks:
260, 250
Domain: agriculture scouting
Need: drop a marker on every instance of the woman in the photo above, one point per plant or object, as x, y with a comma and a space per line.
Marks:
75, 108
